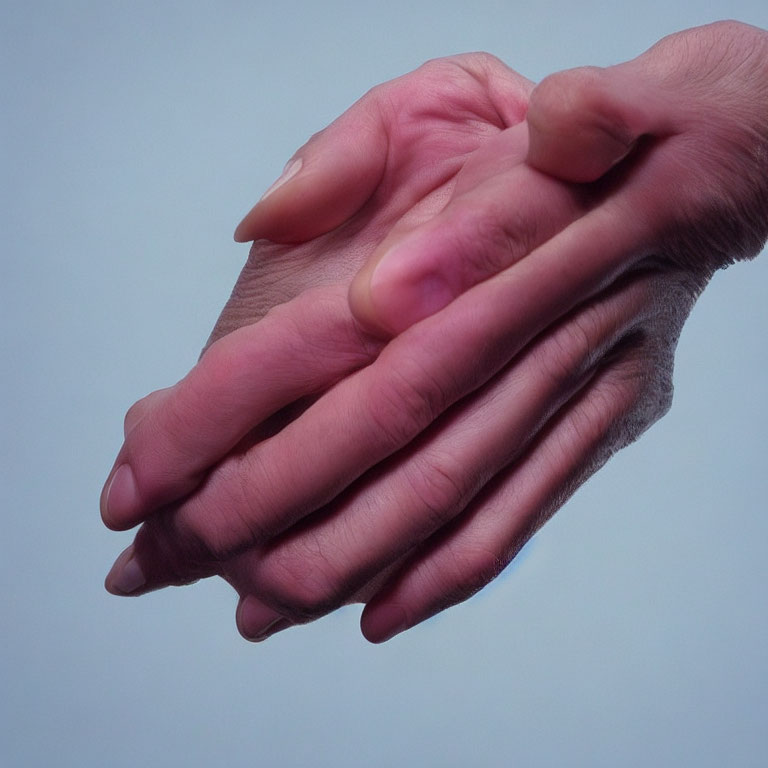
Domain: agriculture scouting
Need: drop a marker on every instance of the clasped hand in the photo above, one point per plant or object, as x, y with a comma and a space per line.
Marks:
464, 295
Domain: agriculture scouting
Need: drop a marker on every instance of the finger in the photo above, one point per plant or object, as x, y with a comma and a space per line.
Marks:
422, 126
486, 227
254, 618
325, 182
465, 556
256, 621
147, 563
584, 121
254, 496
175, 436
325, 563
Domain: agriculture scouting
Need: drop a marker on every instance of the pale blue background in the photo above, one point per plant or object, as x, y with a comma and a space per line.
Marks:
634, 630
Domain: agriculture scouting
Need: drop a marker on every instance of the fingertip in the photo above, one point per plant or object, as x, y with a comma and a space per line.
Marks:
578, 125
126, 577
120, 502
252, 225
256, 621
260, 216
362, 307
331, 179
113, 525
291, 169
400, 286
240, 234
383, 621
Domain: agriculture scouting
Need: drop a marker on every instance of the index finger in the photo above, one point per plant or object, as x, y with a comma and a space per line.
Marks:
296, 350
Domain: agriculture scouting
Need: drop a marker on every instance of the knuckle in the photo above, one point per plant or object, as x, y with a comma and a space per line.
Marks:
447, 69
488, 240
244, 495
635, 391
652, 384
227, 516
164, 435
557, 365
133, 416
438, 66
405, 401
141, 408
317, 327
479, 66
226, 365
199, 537
438, 486
466, 571
570, 350
482, 565
480, 62
301, 585
570, 92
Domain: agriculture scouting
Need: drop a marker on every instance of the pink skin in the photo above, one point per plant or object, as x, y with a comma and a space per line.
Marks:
413, 137
536, 324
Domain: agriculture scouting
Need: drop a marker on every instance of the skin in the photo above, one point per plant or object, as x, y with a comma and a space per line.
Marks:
472, 299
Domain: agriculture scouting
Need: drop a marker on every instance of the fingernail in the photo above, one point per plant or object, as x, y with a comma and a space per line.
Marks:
384, 623
405, 289
257, 621
290, 170
126, 575
273, 629
122, 498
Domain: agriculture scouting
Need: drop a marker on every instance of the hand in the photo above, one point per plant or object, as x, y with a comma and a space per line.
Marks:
407, 164
691, 116
553, 453
427, 129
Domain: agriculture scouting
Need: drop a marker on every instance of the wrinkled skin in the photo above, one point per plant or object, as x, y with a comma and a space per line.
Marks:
392, 430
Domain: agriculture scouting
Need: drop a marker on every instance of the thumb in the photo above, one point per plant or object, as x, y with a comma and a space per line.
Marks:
584, 121
325, 182
417, 271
